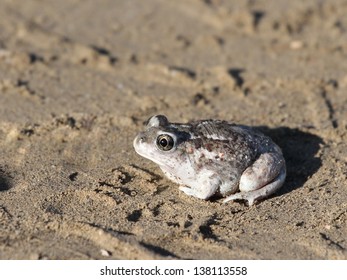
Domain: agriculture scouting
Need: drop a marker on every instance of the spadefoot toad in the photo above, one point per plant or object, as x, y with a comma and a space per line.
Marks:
214, 158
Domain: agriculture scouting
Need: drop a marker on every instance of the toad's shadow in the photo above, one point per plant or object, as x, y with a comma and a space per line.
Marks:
299, 150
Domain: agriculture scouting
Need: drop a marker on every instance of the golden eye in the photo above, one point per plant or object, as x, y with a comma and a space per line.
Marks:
165, 142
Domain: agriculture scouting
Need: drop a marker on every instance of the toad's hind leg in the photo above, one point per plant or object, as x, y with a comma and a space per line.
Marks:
262, 178
263, 192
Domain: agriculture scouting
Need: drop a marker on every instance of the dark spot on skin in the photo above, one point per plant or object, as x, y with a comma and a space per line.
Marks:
198, 143
209, 147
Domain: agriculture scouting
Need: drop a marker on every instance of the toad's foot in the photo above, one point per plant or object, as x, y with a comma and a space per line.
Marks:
263, 192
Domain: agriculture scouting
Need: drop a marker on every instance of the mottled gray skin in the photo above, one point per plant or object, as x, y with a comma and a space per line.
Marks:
215, 158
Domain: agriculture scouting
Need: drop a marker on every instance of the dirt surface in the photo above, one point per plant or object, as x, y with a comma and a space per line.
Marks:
79, 78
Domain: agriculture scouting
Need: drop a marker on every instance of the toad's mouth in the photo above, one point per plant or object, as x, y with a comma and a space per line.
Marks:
146, 150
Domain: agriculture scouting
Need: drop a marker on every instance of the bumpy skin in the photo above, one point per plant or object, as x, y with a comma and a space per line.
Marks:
215, 158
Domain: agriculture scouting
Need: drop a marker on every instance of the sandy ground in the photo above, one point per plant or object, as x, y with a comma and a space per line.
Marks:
79, 78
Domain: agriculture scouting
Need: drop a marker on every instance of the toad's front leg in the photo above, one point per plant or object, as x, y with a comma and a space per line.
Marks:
265, 176
205, 185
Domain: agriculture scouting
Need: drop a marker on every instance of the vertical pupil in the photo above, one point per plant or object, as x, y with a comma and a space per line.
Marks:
163, 142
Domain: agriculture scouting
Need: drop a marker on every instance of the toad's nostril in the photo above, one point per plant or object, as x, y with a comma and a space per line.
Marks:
142, 138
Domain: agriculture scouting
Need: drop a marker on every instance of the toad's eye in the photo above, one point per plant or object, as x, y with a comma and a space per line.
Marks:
165, 142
